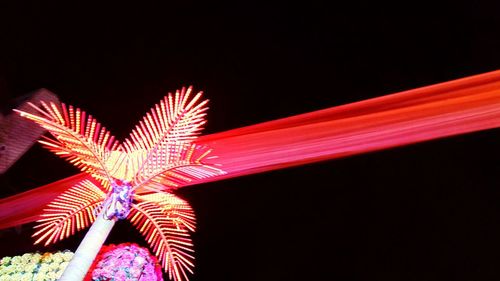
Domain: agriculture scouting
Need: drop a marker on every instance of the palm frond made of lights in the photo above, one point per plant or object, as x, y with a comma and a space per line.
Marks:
173, 166
164, 132
72, 211
165, 221
77, 137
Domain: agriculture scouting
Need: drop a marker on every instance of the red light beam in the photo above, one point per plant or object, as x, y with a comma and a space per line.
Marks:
442, 110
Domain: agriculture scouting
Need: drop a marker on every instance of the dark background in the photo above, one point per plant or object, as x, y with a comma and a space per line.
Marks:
424, 212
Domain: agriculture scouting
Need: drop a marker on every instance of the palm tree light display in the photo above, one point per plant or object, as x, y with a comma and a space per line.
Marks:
134, 180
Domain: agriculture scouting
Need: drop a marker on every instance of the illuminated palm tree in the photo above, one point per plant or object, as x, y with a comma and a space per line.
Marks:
133, 180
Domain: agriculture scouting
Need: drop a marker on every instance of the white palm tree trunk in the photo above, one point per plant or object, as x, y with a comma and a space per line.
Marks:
88, 249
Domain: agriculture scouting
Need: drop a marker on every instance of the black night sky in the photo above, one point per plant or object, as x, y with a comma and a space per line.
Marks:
429, 211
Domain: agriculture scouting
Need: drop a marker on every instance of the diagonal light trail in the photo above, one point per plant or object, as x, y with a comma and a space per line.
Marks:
442, 110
